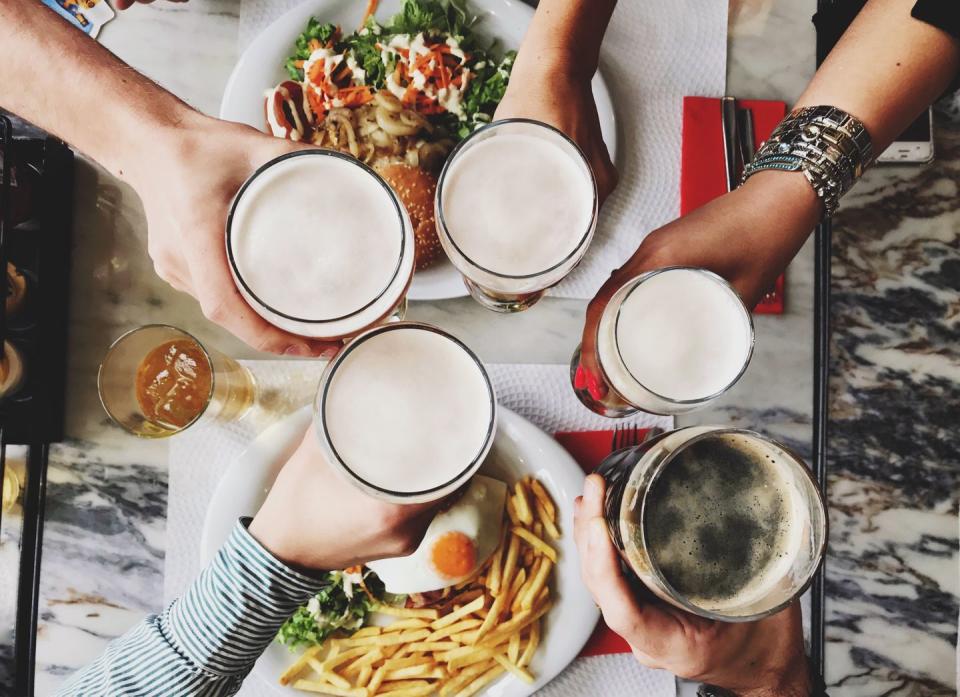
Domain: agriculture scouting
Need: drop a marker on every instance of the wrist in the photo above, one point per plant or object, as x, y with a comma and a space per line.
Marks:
555, 62
568, 34
789, 192
793, 680
156, 138
285, 544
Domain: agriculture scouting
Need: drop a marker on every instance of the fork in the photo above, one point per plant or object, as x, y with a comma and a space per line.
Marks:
625, 437
629, 437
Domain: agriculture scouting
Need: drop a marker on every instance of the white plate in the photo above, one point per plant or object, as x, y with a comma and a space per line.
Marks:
261, 67
519, 448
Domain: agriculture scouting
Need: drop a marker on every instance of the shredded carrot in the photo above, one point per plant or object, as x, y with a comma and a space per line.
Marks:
423, 60
354, 96
370, 11
317, 103
410, 96
444, 75
317, 72
438, 68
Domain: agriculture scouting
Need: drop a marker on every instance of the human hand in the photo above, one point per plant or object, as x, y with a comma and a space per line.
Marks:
315, 518
753, 659
187, 177
549, 86
747, 236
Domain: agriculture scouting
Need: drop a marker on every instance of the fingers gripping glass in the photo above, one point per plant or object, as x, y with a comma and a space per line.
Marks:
617, 391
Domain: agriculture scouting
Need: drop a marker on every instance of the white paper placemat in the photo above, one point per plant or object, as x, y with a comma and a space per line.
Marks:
540, 393
654, 54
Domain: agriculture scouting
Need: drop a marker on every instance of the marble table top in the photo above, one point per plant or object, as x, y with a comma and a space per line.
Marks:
892, 569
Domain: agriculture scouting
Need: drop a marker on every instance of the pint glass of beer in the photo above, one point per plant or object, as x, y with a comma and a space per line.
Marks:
721, 522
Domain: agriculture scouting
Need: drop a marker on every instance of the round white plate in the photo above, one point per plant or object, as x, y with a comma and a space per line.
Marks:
261, 67
519, 448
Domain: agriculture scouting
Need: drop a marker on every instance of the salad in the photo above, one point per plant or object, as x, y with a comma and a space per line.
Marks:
427, 59
397, 95
343, 604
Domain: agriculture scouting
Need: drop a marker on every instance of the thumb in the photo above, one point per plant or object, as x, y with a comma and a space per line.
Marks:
647, 627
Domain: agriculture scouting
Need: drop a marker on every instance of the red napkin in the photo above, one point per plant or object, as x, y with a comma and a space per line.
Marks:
703, 171
589, 448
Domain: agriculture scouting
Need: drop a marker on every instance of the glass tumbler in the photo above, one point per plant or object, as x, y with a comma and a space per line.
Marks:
157, 380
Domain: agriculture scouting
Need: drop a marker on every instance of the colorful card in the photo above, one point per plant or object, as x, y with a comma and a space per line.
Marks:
87, 15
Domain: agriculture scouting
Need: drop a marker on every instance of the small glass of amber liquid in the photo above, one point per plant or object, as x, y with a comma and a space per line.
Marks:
158, 380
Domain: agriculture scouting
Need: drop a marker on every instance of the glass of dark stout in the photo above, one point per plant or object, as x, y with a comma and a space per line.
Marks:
157, 380
721, 522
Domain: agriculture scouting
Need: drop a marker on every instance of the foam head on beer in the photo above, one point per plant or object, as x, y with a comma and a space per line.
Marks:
517, 204
407, 409
319, 245
681, 334
725, 523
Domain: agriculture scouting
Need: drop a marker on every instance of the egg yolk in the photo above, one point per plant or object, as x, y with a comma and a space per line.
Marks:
453, 555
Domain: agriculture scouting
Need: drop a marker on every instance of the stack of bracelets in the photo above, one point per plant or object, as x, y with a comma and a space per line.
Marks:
831, 148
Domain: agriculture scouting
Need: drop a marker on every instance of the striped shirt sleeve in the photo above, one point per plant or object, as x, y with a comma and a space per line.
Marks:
206, 641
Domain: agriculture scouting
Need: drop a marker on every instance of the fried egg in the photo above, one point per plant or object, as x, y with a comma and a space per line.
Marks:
457, 542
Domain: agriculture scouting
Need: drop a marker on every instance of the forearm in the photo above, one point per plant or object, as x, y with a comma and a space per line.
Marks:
56, 77
206, 641
886, 69
572, 29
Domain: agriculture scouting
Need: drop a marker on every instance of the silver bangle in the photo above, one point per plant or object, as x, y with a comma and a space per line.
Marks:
831, 148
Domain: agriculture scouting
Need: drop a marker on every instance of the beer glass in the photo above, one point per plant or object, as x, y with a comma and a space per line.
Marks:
508, 231
684, 328
721, 522
406, 412
202, 384
319, 245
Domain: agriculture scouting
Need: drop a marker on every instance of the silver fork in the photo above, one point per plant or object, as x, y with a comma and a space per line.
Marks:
625, 437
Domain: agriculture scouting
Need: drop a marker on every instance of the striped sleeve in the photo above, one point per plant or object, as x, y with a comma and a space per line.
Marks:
205, 642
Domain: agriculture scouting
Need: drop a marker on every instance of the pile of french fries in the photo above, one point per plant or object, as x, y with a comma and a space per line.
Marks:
483, 627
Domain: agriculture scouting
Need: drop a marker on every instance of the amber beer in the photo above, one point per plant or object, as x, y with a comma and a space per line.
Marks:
158, 380
11, 489
721, 522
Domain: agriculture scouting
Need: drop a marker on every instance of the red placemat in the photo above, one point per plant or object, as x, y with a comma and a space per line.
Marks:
702, 165
589, 448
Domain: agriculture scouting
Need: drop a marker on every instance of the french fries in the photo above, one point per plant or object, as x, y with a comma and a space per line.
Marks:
481, 628
538, 544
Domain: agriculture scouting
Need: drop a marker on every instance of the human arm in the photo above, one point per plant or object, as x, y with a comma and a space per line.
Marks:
551, 79
185, 166
206, 642
751, 659
885, 70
